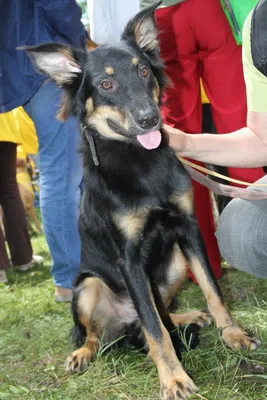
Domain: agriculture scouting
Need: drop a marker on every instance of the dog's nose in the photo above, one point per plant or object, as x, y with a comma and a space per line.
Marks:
147, 119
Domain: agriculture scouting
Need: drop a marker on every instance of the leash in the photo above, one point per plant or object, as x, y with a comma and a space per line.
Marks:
91, 142
219, 188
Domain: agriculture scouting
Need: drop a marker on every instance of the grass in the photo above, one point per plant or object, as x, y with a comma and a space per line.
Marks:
34, 343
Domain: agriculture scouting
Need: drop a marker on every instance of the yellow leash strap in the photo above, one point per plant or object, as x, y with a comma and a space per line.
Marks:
225, 178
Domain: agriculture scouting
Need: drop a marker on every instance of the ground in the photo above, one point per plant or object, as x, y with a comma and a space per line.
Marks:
34, 343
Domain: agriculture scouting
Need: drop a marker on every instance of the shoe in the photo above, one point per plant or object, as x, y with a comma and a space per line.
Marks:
36, 260
63, 295
3, 277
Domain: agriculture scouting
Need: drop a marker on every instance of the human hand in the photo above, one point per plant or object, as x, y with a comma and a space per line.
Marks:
177, 138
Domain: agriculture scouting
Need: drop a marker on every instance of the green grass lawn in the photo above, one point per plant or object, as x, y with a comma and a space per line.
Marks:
34, 343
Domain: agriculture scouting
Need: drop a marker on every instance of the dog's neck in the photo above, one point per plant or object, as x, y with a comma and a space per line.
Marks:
94, 140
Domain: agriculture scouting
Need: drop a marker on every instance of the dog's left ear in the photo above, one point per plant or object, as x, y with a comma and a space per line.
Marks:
142, 30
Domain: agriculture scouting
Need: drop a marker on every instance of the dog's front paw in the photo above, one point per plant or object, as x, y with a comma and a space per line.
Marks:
78, 360
178, 388
237, 339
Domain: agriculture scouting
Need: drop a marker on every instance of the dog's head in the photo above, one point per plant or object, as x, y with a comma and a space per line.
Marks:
115, 90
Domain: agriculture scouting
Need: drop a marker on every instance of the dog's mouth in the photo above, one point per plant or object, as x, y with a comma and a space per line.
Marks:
149, 140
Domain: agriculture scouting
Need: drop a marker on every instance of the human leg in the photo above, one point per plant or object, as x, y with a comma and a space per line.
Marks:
182, 103
16, 226
60, 180
242, 235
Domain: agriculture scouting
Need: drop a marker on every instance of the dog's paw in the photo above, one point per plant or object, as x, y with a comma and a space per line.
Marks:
78, 360
179, 388
237, 339
201, 318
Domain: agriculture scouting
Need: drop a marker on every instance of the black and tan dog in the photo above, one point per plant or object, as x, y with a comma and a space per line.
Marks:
137, 223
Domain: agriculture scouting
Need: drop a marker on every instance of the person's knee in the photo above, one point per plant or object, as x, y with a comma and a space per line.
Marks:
241, 236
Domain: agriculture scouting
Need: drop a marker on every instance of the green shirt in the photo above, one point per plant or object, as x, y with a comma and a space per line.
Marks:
165, 3
256, 82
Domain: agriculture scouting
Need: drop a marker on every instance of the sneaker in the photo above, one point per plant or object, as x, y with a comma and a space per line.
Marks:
3, 277
36, 260
63, 295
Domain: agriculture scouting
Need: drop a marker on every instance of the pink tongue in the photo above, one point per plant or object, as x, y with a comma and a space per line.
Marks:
150, 140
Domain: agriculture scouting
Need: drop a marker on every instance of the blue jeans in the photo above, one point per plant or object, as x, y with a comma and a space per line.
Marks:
60, 182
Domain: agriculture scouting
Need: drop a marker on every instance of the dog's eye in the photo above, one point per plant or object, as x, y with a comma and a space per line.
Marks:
144, 72
106, 85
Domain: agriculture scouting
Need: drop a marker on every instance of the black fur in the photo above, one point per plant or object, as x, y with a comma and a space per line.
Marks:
129, 178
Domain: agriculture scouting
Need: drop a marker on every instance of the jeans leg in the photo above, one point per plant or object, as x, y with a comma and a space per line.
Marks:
242, 235
60, 182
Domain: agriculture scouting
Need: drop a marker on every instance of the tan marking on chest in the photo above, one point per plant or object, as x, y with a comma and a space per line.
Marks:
184, 202
131, 224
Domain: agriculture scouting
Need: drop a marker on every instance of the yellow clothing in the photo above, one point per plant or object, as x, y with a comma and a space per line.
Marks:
204, 98
9, 128
256, 82
17, 127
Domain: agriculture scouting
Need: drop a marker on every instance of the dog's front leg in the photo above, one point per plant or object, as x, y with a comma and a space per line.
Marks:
175, 383
192, 246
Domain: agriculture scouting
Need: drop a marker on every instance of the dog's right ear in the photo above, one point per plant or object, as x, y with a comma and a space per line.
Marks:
57, 61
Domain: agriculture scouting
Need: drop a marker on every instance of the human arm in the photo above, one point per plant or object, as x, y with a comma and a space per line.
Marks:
246, 147
64, 17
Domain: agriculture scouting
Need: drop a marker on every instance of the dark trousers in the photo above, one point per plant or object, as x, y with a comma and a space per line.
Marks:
16, 226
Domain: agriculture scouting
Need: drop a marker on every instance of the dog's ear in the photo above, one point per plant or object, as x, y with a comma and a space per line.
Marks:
57, 61
142, 30
64, 66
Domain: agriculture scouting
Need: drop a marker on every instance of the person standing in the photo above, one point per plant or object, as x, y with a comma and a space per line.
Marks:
32, 22
242, 233
14, 218
196, 42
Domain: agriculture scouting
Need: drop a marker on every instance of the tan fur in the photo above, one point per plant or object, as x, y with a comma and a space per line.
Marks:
135, 61
185, 202
98, 120
89, 106
173, 378
176, 275
109, 70
27, 197
91, 45
194, 317
233, 335
65, 107
156, 92
131, 224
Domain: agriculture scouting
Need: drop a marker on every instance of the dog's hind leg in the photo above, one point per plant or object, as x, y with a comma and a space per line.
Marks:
84, 306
